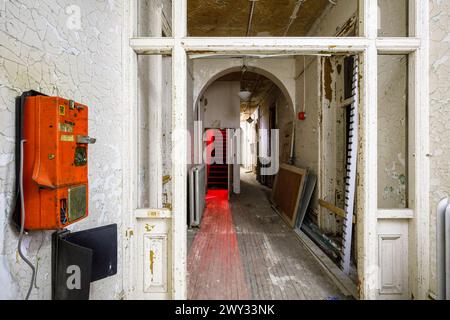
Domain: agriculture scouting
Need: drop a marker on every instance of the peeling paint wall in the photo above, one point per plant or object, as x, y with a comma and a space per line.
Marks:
43, 46
392, 131
439, 117
328, 122
307, 131
285, 120
316, 137
333, 141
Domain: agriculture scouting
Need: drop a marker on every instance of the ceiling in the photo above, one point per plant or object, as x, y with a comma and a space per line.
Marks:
259, 85
229, 18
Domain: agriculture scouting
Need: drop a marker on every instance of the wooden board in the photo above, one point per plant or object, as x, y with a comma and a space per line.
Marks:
332, 208
287, 190
310, 185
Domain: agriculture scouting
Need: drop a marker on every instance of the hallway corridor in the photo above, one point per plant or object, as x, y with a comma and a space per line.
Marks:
243, 250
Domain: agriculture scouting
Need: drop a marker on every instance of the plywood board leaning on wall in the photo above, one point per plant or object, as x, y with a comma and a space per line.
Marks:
287, 190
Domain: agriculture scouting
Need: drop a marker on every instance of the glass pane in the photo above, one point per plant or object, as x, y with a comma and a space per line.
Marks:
154, 18
393, 18
392, 131
154, 118
265, 18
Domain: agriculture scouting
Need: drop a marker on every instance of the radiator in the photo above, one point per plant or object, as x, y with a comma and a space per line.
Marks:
443, 249
197, 193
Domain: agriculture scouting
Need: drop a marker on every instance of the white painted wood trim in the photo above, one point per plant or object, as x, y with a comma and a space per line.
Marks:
369, 46
152, 214
395, 214
209, 45
397, 45
367, 226
179, 153
422, 163
156, 45
290, 45
129, 161
346, 103
294, 45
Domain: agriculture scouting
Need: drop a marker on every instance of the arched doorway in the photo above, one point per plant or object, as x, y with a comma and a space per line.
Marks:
285, 86
262, 124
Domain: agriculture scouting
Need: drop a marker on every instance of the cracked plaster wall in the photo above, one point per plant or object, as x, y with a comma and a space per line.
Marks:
39, 51
439, 117
392, 131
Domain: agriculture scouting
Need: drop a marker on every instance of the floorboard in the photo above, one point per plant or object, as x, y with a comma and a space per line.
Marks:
244, 250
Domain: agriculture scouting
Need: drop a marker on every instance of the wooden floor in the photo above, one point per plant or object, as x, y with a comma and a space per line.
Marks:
244, 250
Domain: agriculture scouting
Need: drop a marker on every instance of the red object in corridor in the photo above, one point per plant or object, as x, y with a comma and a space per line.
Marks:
217, 195
214, 263
216, 159
302, 115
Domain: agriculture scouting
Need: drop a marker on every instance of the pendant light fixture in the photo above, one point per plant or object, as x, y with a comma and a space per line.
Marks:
244, 94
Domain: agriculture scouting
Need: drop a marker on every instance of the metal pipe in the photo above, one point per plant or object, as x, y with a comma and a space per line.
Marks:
441, 248
295, 12
447, 253
293, 16
250, 18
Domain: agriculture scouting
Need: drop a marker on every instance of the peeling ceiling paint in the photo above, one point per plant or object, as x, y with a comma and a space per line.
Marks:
271, 17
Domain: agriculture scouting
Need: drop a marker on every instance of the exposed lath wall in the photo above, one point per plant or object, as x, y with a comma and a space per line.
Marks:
439, 117
42, 48
320, 124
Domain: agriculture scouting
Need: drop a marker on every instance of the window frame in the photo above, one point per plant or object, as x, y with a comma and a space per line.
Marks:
368, 46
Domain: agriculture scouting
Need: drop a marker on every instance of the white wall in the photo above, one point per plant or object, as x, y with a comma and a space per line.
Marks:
307, 131
223, 105
41, 50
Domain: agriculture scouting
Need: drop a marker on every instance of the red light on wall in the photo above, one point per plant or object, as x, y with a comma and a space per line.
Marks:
302, 115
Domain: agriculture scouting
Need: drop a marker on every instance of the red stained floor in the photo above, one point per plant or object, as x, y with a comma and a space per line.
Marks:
214, 263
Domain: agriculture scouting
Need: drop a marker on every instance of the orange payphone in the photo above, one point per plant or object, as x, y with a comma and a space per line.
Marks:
54, 132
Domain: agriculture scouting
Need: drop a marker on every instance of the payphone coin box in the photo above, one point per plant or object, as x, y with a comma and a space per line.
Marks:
55, 167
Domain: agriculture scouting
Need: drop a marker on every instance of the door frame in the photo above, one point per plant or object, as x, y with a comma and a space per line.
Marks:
368, 45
